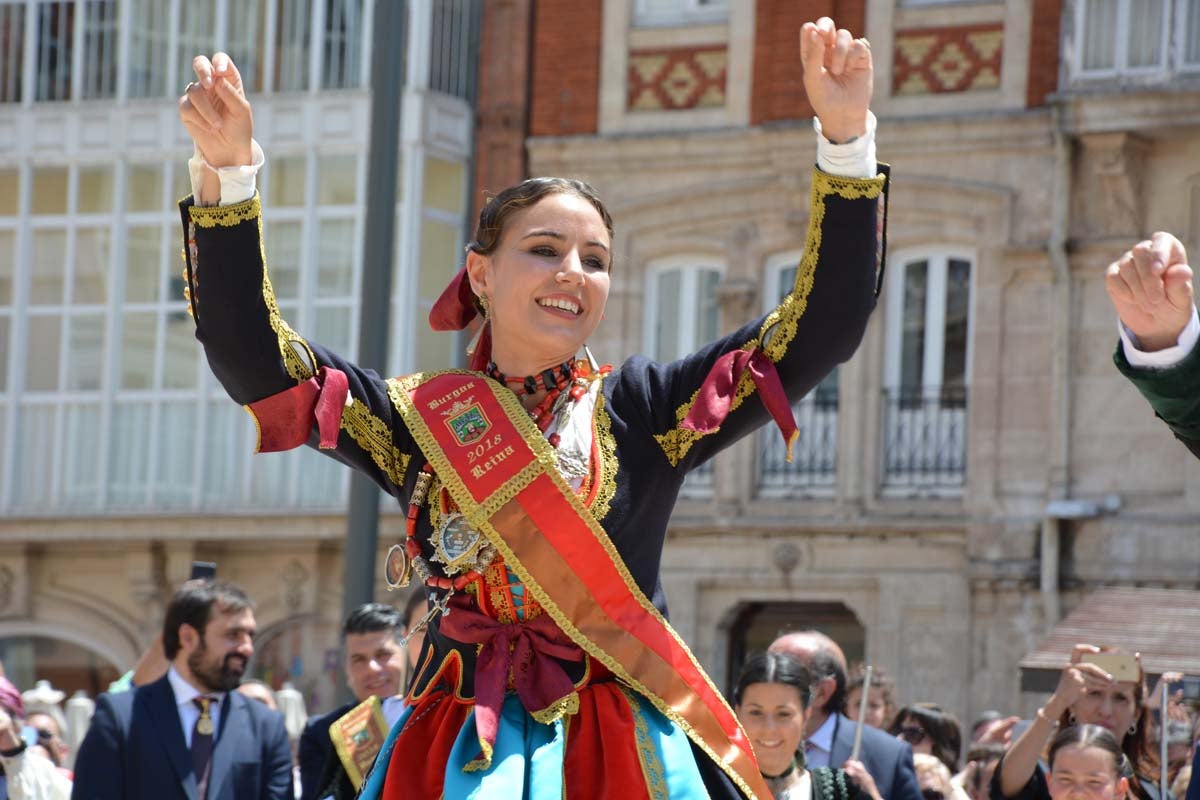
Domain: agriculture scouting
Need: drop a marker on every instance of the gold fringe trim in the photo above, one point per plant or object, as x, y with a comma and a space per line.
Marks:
785, 318
226, 216
544, 462
608, 466
375, 438
565, 707
648, 757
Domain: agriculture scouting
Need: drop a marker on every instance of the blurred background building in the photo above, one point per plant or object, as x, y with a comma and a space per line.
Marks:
972, 476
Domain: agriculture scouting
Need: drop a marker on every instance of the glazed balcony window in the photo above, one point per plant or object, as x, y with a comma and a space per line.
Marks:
927, 373
682, 315
813, 469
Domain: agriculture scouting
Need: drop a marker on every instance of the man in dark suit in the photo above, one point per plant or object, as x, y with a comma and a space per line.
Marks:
829, 735
188, 735
374, 665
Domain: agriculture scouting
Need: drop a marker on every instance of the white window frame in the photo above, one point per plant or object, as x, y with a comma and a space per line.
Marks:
690, 267
938, 258
688, 12
1121, 54
1185, 10
699, 481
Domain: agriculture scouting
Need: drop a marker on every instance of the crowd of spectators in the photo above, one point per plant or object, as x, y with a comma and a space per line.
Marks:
815, 734
1002, 757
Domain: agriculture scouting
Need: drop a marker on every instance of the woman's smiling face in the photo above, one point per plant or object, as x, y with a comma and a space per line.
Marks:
773, 717
546, 282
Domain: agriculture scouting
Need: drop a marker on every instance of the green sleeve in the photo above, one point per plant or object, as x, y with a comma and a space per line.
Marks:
1173, 393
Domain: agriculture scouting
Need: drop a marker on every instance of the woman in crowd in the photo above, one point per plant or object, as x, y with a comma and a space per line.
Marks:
771, 700
538, 485
1086, 761
1085, 695
881, 699
929, 729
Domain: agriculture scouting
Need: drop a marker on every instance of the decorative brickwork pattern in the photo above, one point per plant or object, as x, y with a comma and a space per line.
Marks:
676, 78
940, 60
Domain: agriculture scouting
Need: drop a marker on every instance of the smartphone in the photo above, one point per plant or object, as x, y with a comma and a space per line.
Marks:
206, 570
1191, 688
1122, 666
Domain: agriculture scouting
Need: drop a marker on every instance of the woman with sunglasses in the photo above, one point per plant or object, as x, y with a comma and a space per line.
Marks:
771, 700
929, 729
1085, 695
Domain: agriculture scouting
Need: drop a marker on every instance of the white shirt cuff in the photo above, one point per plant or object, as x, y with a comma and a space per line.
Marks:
1165, 358
854, 159
238, 184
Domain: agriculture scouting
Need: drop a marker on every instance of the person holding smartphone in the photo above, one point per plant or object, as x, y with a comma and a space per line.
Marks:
1098, 687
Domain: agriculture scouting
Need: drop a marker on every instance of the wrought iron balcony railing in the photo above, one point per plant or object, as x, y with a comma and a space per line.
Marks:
925, 439
815, 453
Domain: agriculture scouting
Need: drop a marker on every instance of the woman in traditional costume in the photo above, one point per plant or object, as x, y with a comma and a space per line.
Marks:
539, 485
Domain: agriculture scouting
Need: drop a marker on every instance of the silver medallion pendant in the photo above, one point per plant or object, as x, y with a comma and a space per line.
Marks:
456, 544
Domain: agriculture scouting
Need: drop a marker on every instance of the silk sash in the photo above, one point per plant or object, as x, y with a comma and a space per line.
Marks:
501, 472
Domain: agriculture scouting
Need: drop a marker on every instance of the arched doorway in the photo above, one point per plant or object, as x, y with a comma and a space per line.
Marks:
68, 666
753, 626
305, 651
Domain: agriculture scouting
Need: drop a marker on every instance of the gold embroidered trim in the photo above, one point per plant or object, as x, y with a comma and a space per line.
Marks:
564, 707
608, 466
785, 318
287, 337
652, 768
373, 436
544, 464
226, 216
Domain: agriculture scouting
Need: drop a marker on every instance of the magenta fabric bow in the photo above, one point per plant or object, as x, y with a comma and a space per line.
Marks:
715, 398
529, 649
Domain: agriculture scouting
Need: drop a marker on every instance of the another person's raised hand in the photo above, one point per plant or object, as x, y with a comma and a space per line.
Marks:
838, 77
1076, 680
216, 113
1151, 289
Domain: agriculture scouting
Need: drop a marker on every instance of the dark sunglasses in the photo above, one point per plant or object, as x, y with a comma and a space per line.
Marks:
44, 735
912, 735
932, 794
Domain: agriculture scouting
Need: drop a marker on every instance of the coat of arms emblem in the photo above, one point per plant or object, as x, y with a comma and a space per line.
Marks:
467, 421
